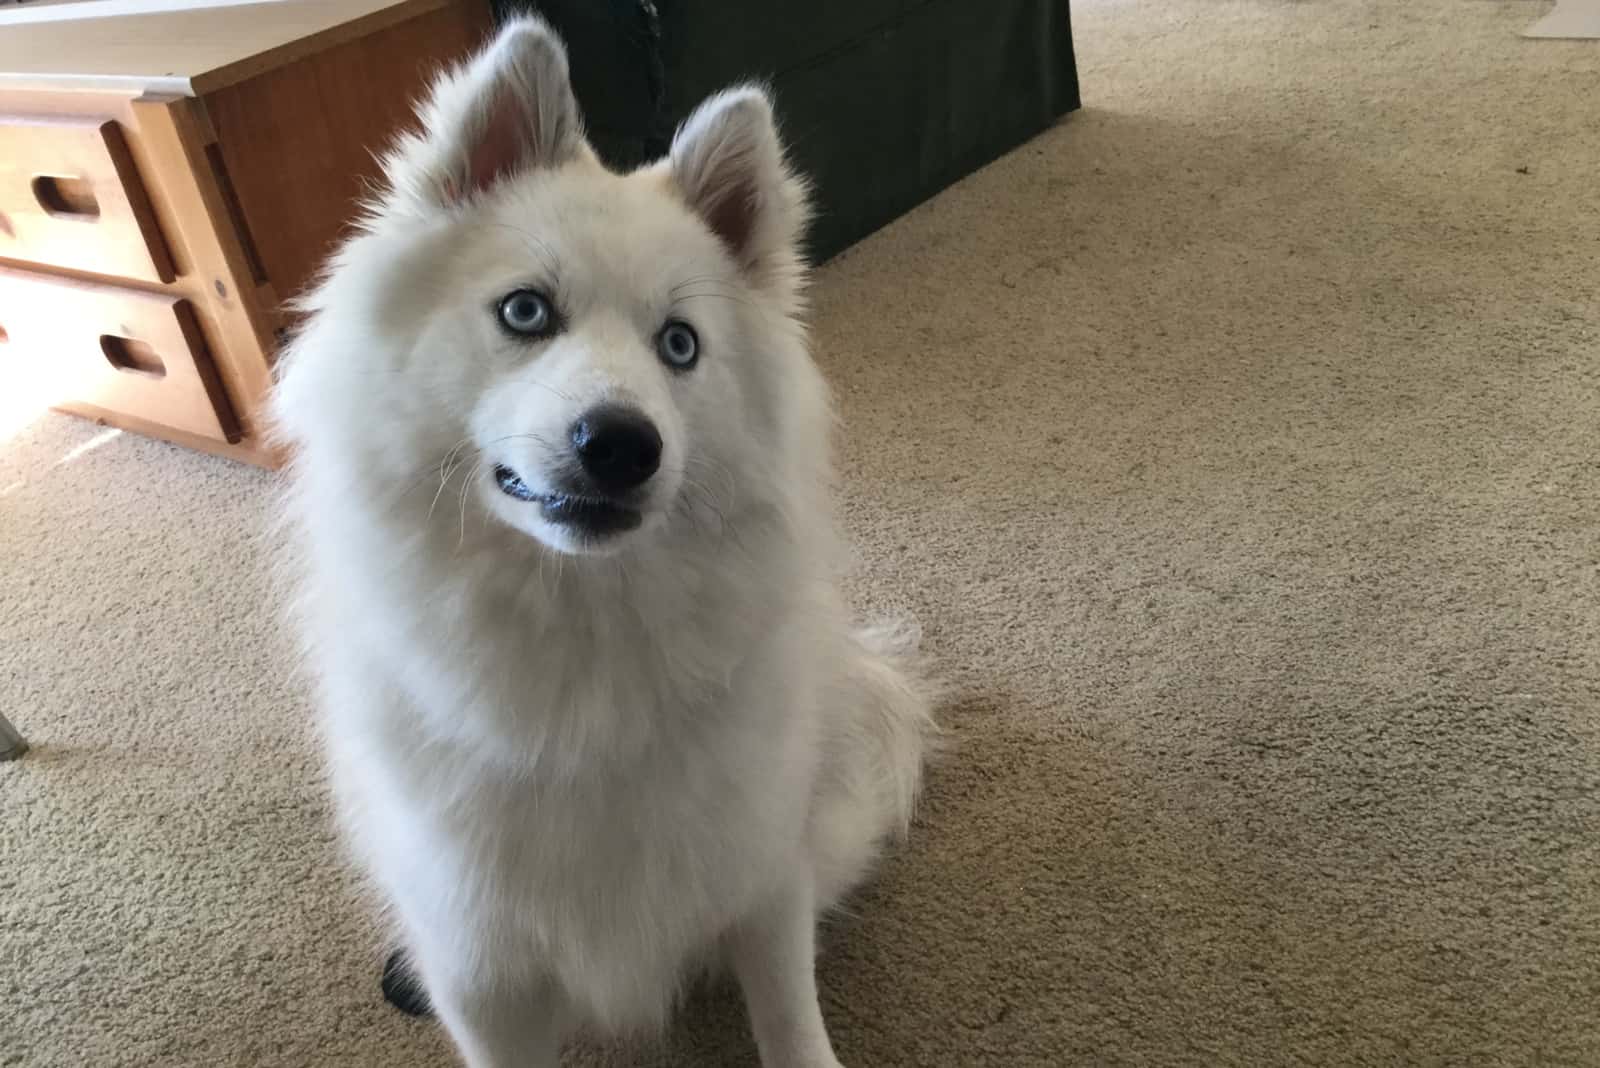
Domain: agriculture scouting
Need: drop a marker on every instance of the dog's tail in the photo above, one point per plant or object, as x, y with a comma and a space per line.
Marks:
881, 731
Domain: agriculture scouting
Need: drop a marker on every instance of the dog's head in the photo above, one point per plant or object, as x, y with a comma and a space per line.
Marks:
584, 354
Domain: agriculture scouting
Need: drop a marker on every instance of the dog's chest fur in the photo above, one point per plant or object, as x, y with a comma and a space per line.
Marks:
597, 770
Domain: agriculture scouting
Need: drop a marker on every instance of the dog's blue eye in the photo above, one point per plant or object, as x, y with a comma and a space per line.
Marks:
526, 312
678, 344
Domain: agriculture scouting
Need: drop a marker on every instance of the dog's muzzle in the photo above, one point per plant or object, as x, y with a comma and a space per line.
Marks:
615, 453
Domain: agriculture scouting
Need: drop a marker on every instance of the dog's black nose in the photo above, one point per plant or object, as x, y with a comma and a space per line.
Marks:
618, 447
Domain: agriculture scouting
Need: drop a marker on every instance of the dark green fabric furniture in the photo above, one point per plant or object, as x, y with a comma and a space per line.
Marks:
883, 102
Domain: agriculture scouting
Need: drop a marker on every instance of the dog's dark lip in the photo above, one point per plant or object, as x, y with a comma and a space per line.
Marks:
511, 484
592, 516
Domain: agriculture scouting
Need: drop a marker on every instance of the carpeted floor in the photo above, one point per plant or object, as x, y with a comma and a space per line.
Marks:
1237, 443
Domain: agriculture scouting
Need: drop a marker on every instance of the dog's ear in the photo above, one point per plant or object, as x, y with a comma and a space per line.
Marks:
507, 111
728, 162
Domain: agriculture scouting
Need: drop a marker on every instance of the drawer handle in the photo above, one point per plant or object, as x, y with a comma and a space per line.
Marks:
132, 356
65, 197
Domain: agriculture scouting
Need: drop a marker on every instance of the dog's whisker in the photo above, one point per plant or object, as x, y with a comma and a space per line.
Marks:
537, 245
541, 556
702, 279
444, 479
559, 393
466, 484
733, 298
717, 470
448, 460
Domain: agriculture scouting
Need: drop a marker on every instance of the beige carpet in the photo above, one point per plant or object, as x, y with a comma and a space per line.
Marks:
1238, 444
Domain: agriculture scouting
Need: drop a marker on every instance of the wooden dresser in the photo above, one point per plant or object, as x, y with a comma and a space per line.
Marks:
169, 179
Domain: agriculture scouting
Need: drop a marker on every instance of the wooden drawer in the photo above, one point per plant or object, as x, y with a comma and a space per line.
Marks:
71, 197
250, 130
104, 351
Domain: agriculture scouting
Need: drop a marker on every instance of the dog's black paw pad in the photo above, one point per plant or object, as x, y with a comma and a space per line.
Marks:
402, 989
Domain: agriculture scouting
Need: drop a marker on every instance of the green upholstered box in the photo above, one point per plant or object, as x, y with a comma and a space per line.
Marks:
883, 102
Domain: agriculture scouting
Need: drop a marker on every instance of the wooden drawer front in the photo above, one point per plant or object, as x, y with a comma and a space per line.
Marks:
70, 197
113, 349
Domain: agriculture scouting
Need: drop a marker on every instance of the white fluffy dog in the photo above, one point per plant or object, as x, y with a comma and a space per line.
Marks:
596, 713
